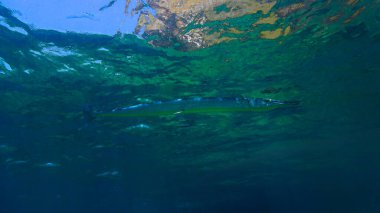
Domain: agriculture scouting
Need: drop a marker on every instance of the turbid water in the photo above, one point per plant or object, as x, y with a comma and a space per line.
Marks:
320, 155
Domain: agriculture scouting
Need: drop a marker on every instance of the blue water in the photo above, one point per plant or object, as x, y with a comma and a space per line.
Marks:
319, 155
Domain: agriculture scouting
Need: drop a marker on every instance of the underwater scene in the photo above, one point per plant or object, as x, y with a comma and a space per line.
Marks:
160, 106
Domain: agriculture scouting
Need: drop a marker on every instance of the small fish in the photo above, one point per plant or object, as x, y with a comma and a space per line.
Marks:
108, 5
139, 126
99, 146
83, 16
108, 174
49, 164
103, 49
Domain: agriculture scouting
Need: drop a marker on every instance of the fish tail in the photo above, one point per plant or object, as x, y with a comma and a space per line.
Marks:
292, 102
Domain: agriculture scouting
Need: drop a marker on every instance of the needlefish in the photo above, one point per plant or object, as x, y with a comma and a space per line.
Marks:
210, 105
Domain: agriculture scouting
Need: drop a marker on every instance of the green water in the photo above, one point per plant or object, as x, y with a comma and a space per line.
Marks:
319, 156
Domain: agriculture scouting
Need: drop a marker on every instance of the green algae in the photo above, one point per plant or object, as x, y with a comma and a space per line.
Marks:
221, 8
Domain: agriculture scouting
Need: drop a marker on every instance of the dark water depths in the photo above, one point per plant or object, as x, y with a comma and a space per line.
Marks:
319, 156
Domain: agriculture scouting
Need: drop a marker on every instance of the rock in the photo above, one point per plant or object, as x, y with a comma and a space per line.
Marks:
183, 22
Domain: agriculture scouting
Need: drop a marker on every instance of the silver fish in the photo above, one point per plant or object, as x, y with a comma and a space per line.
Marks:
194, 106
